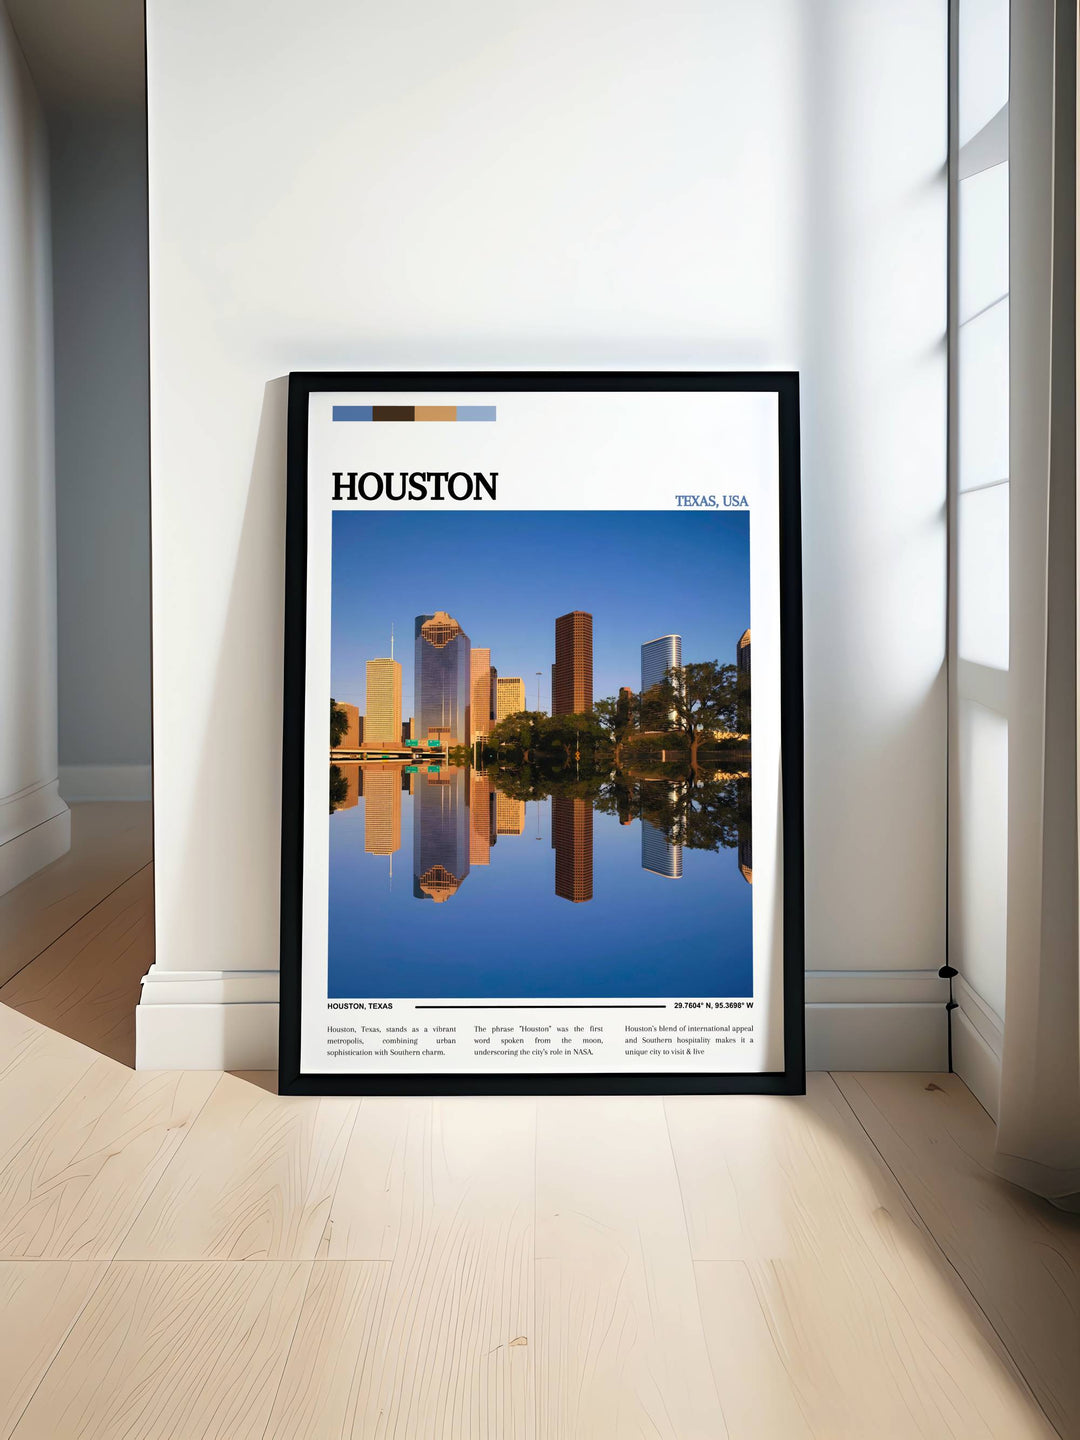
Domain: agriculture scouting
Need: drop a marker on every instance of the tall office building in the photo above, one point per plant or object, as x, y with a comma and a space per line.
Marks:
509, 815
382, 809
572, 837
658, 657
440, 835
382, 718
658, 854
510, 696
441, 679
479, 693
354, 728
482, 829
572, 676
742, 684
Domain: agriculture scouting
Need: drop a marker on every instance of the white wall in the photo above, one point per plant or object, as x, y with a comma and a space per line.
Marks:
98, 163
728, 183
34, 822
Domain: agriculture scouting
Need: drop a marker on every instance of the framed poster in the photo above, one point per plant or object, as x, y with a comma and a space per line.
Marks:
542, 780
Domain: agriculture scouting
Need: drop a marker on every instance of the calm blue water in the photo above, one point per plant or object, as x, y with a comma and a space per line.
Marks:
444, 924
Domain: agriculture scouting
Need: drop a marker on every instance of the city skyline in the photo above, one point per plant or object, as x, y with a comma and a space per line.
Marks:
697, 571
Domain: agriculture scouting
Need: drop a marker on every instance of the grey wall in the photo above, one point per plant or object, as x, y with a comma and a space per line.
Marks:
98, 165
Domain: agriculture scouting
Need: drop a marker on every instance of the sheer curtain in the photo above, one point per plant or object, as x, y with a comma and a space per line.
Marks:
1038, 1140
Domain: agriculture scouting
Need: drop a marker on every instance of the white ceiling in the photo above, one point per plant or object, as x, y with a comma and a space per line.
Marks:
82, 52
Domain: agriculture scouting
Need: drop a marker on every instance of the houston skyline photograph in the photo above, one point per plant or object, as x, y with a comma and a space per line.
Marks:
540, 787
505, 576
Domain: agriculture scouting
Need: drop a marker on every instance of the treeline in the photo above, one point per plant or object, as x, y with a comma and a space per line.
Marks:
691, 706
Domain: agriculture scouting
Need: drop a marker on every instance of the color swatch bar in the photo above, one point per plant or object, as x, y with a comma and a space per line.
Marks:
414, 412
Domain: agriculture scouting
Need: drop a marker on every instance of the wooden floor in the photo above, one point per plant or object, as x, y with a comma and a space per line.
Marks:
188, 1255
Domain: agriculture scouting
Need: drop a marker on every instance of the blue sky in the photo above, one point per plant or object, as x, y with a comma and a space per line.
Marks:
505, 576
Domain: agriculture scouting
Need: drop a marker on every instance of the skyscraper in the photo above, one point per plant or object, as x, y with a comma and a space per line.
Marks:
440, 835
572, 677
441, 679
354, 729
479, 693
510, 692
382, 809
742, 684
382, 718
572, 836
657, 658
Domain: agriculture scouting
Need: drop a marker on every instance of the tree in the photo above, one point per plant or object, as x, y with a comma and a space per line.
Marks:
694, 700
339, 787
616, 718
339, 723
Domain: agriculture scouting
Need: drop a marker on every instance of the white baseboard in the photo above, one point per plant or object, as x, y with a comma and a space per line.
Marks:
79, 783
35, 830
206, 1037
228, 1020
977, 1043
877, 1037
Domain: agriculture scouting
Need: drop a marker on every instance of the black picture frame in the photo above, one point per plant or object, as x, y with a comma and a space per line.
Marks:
789, 1081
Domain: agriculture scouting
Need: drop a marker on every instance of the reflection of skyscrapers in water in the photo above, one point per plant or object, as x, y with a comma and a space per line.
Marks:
746, 859
382, 717
572, 673
440, 835
658, 854
572, 836
382, 809
481, 817
479, 693
510, 692
350, 779
509, 815
441, 679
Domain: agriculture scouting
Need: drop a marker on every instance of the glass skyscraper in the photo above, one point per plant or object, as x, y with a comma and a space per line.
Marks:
657, 658
441, 680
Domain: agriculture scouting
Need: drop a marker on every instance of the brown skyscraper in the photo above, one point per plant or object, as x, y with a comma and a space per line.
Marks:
479, 693
572, 837
354, 730
572, 677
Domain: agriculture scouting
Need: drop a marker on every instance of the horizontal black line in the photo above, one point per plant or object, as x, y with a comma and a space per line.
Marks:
540, 1007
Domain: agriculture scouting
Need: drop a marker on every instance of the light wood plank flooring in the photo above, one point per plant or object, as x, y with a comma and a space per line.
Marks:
187, 1255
